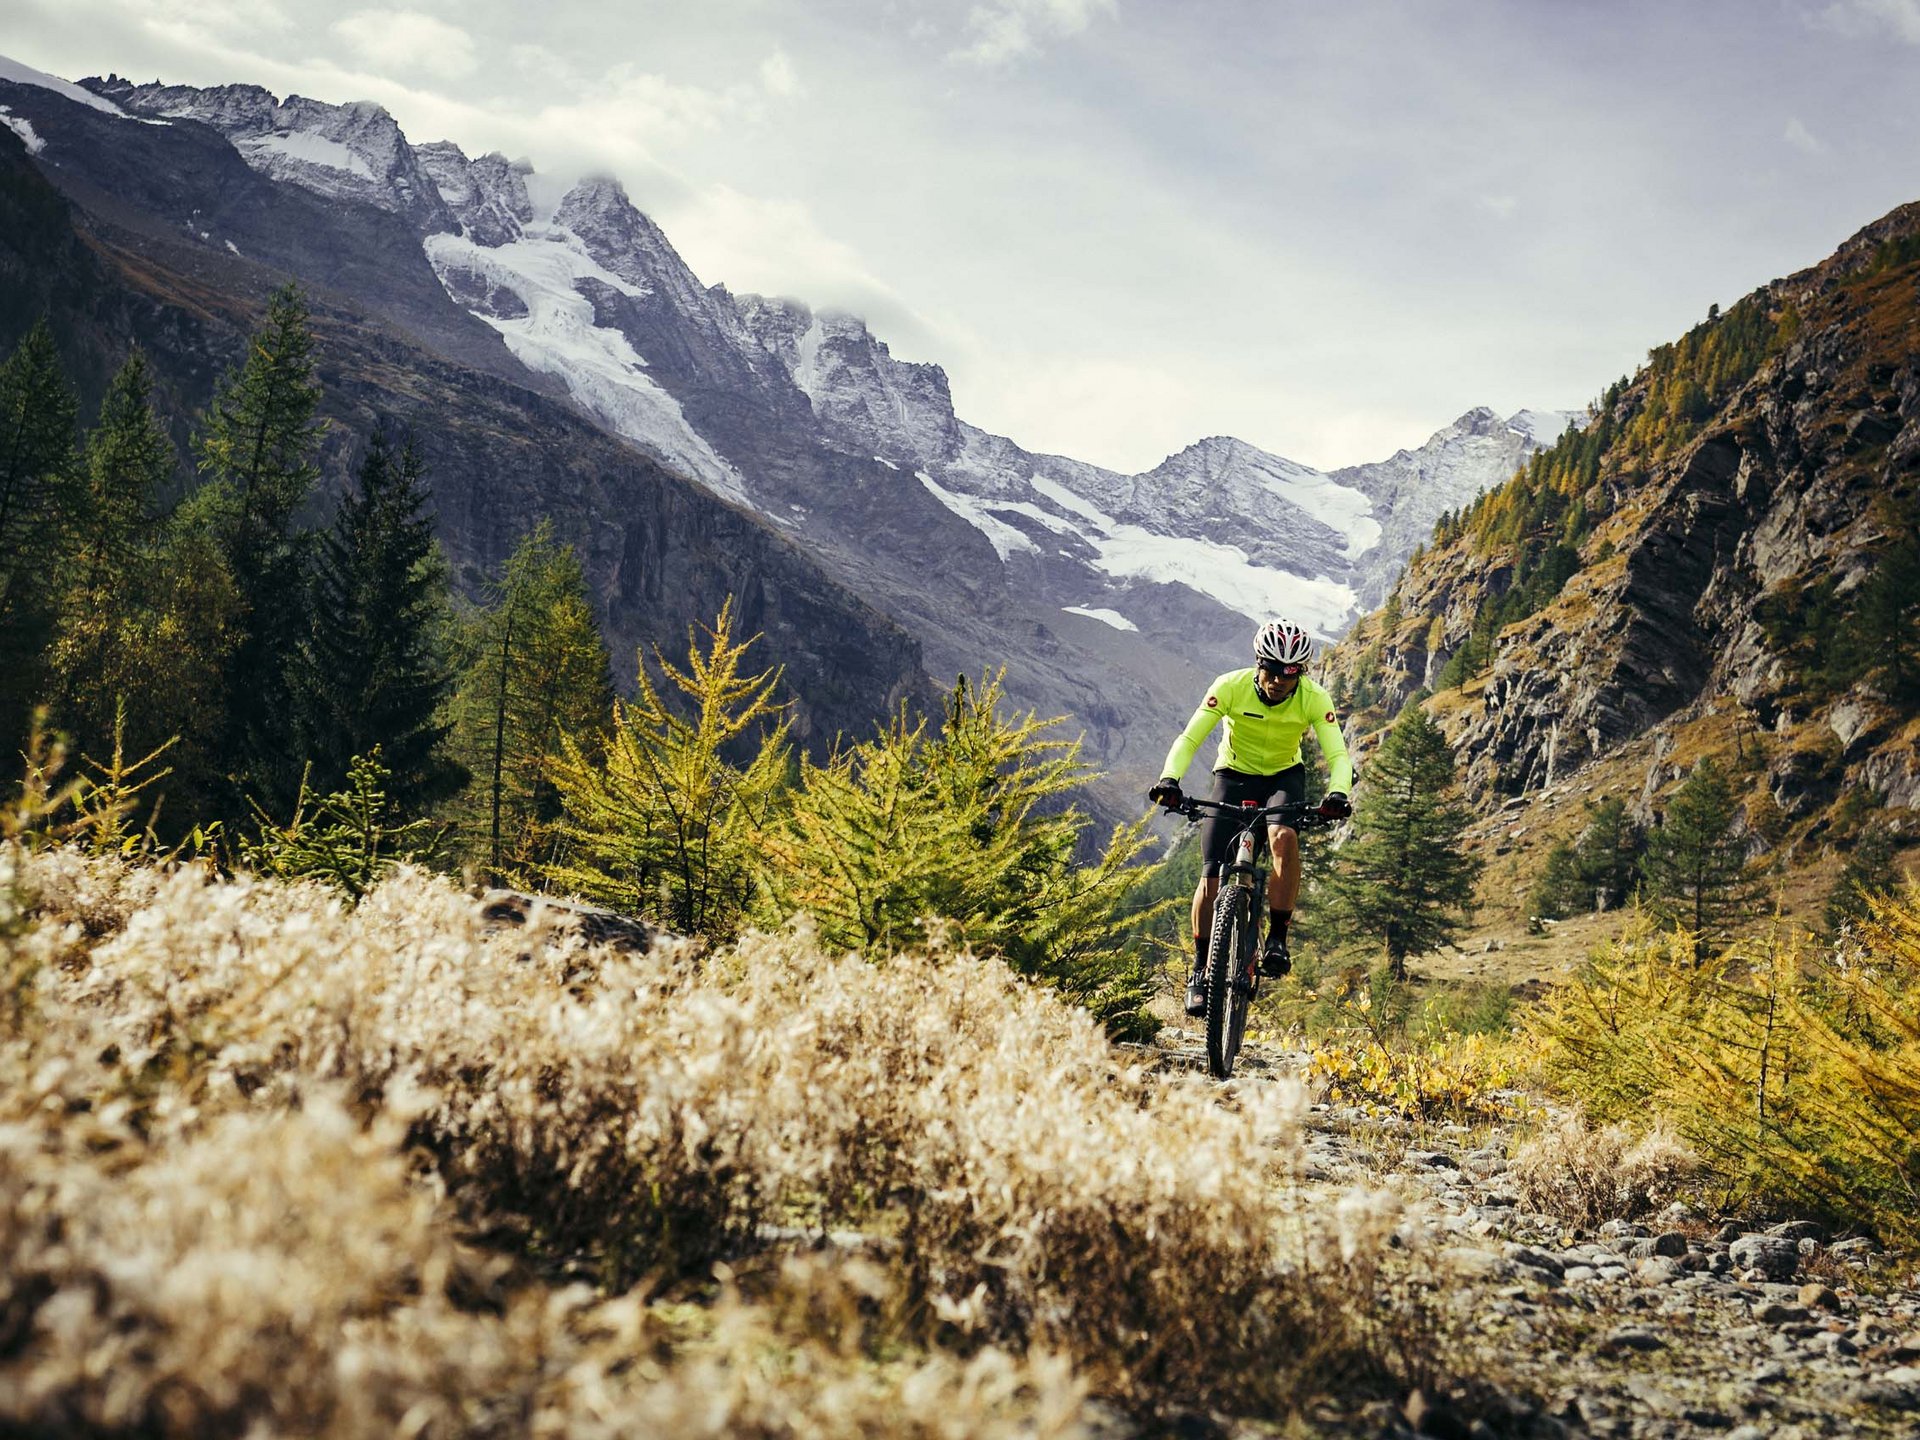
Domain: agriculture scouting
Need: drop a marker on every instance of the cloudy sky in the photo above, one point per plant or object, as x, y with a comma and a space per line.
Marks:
1325, 226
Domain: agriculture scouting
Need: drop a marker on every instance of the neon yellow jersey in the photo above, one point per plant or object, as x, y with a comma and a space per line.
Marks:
1263, 739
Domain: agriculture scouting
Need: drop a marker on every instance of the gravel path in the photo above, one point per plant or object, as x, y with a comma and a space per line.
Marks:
1688, 1325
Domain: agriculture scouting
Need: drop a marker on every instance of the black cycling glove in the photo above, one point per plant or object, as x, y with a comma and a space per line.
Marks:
1167, 793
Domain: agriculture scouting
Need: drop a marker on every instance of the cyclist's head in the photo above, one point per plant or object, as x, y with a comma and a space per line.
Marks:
1281, 651
1283, 648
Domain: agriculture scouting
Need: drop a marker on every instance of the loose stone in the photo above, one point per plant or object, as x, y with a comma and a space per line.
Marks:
1816, 1296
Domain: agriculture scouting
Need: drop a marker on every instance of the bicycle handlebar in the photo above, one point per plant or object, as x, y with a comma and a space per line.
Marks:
1295, 816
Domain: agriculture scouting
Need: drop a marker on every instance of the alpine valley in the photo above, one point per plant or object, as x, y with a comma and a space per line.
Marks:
557, 357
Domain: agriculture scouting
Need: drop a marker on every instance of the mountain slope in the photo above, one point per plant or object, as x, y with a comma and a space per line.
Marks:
1722, 548
660, 554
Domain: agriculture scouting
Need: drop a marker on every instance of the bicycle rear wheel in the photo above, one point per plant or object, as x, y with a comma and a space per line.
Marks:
1227, 951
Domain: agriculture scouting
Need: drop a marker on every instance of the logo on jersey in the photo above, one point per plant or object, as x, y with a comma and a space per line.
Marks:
1212, 702
1329, 717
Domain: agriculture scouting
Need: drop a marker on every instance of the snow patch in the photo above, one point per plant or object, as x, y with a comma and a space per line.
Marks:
1067, 500
234, 248
22, 127
886, 462
1033, 512
1224, 573
1004, 538
557, 336
1220, 572
19, 74
1545, 427
1105, 617
1325, 499
302, 146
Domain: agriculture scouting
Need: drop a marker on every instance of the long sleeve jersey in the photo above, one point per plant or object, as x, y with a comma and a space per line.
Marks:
1263, 739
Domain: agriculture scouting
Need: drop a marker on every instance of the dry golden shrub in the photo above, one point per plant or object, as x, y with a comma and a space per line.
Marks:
250, 1135
1587, 1175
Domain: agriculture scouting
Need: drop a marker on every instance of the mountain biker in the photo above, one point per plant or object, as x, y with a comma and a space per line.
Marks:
1266, 709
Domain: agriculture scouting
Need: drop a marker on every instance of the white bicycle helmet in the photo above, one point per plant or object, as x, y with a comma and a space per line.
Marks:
1281, 642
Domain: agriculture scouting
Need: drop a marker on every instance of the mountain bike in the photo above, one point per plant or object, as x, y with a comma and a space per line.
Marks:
1231, 986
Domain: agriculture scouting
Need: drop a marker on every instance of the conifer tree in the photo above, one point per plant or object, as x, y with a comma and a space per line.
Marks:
374, 673
1888, 629
1868, 873
536, 669
1607, 855
1695, 865
38, 477
1559, 892
127, 466
259, 447
666, 823
1404, 878
909, 829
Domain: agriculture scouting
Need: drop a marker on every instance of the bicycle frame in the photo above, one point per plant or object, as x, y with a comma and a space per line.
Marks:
1230, 977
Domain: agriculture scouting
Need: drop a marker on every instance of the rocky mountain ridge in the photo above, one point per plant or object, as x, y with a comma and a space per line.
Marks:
1288, 520
1718, 553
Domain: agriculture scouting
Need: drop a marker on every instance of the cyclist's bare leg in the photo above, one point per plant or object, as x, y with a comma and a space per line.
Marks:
1204, 894
1283, 881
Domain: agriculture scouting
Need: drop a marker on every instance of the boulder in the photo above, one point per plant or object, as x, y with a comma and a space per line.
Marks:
1773, 1256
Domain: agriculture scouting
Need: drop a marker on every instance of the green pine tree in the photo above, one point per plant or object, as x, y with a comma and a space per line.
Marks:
666, 824
1887, 627
38, 479
1867, 874
128, 465
1404, 879
374, 672
258, 448
535, 671
1559, 891
1607, 856
1695, 866
909, 830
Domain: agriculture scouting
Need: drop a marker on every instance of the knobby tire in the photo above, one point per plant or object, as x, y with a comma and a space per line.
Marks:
1227, 951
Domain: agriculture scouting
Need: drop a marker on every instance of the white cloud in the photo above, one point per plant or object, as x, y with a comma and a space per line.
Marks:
408, 40
778, 77
1802, 139
1872, 17
539, 63
776, 247
1009, 29
1502, 207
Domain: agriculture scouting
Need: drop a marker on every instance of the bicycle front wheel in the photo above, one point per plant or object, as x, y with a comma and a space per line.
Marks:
1227, 952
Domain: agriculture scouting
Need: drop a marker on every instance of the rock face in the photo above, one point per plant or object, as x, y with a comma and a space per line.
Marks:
1414, 488
1791, 479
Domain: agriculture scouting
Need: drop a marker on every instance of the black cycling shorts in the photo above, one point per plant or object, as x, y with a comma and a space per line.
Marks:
1231, 787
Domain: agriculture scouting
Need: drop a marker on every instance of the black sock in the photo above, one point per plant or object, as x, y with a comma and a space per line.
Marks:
1277, 923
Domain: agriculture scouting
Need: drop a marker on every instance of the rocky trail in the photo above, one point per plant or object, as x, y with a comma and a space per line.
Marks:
1687, 1325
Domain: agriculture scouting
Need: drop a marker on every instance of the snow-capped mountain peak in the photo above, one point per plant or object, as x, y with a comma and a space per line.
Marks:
354, 151
584, 286
13, 72
487, 196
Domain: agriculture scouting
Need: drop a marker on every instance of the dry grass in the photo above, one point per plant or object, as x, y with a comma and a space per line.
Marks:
269, 1164
1586, 1175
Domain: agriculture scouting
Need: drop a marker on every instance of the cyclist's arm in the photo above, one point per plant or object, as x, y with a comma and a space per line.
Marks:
1333, 749
1182, 753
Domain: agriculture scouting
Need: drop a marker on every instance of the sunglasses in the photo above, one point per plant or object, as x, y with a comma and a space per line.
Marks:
1282, 672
